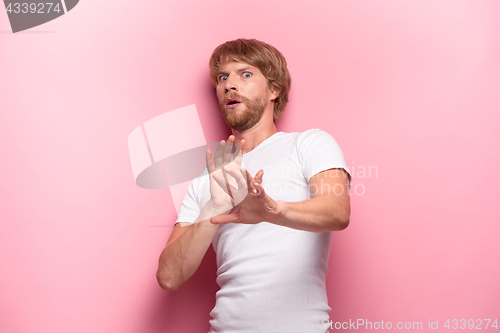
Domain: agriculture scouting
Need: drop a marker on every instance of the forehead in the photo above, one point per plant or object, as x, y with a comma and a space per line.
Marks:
233, 65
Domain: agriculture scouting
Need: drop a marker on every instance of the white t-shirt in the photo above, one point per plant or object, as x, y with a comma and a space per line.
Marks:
272, 278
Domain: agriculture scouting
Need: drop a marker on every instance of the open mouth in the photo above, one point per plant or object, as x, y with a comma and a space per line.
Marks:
232, 102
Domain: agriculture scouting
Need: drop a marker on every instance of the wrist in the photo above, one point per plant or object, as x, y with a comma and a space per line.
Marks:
279, 216
212, 207
210, 210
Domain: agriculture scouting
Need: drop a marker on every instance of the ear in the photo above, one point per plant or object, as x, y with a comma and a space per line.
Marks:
275, 92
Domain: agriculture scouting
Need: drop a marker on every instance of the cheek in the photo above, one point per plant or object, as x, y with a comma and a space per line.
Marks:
219, 93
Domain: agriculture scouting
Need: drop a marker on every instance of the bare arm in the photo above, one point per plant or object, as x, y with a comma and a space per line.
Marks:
327, 210
189, 242
185, 250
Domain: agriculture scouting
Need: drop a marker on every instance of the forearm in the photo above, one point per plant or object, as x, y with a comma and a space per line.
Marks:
318, 214
182, 255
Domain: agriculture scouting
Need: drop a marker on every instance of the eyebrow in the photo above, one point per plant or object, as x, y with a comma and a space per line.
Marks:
244, 69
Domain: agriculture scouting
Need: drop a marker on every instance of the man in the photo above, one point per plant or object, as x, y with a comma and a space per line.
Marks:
272, 248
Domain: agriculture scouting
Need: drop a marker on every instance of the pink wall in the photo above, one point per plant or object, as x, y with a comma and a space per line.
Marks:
409, 88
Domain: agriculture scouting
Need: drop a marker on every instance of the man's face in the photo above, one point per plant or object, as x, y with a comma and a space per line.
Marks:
243, 94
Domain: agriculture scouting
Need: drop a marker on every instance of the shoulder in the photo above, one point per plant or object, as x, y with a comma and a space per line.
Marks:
318, 148
301, 138
313, 132
318, 151
314, 137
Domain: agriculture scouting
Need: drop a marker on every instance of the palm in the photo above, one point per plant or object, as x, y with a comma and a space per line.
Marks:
256, 207
227, 183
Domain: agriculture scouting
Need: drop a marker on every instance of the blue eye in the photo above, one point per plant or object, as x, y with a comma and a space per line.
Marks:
247, 74
223, 78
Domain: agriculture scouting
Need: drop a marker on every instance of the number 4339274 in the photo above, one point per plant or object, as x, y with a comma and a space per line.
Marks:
33, 8
471, 324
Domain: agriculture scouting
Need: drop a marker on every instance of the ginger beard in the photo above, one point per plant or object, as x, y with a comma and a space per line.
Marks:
246, 115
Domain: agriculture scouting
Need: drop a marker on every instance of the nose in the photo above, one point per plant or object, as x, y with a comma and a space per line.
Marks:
231, 84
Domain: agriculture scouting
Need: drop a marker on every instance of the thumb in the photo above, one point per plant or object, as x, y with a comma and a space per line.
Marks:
258, 176
224, 218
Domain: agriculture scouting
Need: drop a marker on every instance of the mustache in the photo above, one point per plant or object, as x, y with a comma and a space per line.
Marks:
233, 95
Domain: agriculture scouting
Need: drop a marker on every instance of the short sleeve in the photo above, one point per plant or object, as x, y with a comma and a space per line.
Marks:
190, 208
318, 151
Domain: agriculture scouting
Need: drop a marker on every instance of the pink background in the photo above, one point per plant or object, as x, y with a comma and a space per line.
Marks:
410, 88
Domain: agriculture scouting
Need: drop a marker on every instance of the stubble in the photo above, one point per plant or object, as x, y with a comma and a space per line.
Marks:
246, 115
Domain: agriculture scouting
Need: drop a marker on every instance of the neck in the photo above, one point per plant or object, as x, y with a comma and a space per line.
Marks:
255, 135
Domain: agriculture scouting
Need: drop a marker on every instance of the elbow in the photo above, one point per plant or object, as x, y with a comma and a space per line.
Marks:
339, 213
344, 218
341, 221
342, 224
336, 224
167, 283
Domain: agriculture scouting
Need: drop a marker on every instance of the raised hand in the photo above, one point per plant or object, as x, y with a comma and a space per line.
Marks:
255, 208
228, 185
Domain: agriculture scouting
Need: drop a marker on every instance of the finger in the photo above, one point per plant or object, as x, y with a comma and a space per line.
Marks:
218, 158
209, 162
238, 154
259, 190
228, 187
250, 183
225, 218
242, 145
234, 189
240, 176
218, 176
228, 148
258, 176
